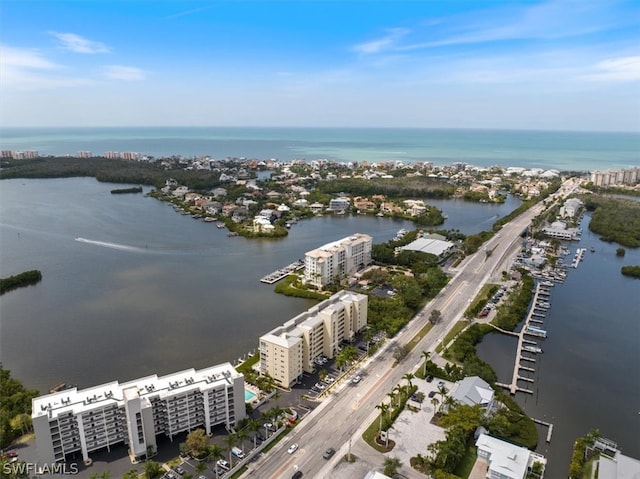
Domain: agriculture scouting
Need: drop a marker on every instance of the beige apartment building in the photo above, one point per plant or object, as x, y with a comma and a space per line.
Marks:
337, 260
73, 421
289, 350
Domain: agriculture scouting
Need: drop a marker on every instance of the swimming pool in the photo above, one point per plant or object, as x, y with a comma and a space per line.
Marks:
249, 396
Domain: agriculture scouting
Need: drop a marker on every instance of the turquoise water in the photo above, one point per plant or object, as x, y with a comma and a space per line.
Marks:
580, 151
248, 395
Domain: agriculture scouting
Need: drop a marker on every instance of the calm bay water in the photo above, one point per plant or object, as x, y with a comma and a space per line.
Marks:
157, 291
588, 376
579, 151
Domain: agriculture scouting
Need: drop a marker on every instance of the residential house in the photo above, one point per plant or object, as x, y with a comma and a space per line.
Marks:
505, 460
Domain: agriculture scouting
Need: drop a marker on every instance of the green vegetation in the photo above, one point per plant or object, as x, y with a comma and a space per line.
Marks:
633, 271
453, 332
404, 187
134, 189
580, 455
27, 278
15, 408
388, 414
480, 301
292, 286
108, 170
620, 252
615, 219
516, 305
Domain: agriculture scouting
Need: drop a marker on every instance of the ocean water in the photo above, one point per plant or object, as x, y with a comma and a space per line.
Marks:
578, 151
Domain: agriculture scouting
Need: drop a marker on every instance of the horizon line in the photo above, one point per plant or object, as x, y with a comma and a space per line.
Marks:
308, 127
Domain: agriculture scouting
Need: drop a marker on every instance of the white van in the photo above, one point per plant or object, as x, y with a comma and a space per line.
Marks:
236, 451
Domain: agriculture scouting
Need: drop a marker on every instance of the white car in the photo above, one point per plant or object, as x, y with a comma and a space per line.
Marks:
356, 379
292, 448
222, 464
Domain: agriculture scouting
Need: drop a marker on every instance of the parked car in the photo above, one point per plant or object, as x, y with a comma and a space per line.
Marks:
292, 448
236, 451
179, 470
224, 465
431, 394
429, 378
328, 453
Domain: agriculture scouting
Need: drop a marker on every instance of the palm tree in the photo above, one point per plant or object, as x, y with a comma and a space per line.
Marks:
408, 377
201, 467
253, 425
448, 402
391, 465
383, 410
241, 435
435, 403
230, 441
397, 389
215, 453
443, 391
392, 396
426, 355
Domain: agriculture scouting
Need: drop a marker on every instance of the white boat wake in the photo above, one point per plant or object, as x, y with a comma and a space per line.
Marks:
106, 244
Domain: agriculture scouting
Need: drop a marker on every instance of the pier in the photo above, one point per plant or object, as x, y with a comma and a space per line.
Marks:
548, 425
526, 345
282, 272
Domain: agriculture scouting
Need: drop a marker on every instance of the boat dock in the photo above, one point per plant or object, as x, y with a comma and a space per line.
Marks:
578, 257
283, 272
527, 345
548, 425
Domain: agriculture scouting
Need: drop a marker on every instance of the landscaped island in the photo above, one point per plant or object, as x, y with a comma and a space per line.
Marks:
27, 278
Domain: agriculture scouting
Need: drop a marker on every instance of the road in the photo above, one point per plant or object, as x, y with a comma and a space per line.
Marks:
340, 420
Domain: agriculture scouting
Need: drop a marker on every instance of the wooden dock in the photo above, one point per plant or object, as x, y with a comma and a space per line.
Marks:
522, 341
548, 425
282, 272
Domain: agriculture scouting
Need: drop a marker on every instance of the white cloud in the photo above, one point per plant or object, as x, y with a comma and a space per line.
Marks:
27, 70
382, 44
120, 72
616, 69
78, 44
23, 58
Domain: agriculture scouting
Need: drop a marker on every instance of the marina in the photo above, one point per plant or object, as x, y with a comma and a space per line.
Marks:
282, 272
578, 257
527, 345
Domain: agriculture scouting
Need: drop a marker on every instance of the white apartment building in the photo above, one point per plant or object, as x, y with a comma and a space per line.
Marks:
76, 421
289, 350
337, 260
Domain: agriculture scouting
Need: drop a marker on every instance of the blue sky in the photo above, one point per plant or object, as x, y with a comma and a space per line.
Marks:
551, 65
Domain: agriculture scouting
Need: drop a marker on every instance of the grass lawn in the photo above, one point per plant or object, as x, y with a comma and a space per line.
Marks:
459, 326
466, 464
418, 337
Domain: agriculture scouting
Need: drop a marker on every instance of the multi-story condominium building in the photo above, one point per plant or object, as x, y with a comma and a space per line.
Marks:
337, 260
76, 421
289, 350
630, 176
